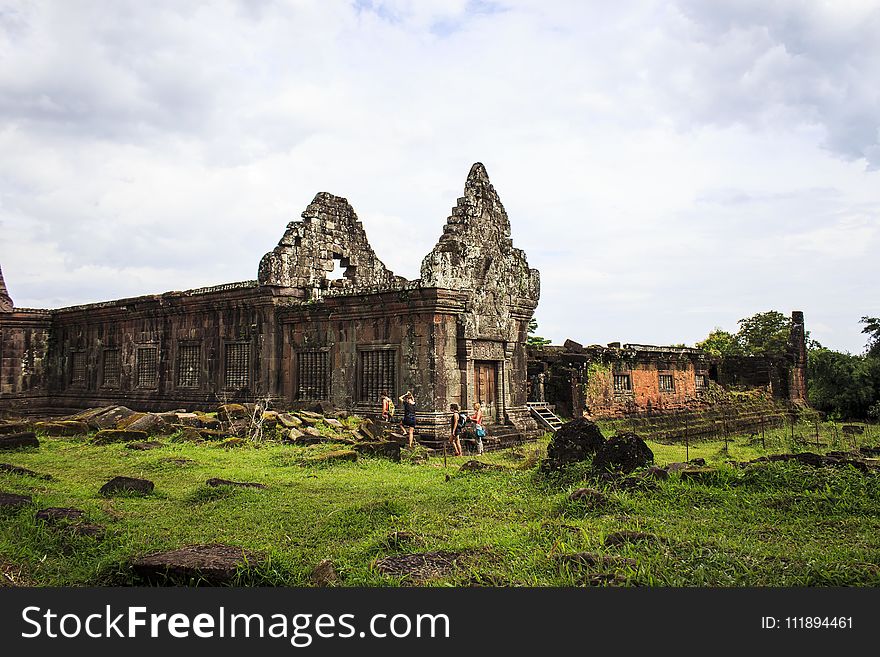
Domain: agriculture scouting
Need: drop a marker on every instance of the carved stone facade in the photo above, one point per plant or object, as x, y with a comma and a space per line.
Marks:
298, 336
5, 299
329, 236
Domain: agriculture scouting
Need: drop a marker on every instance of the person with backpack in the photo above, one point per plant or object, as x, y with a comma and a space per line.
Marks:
387, 407
479, 430
456, 425
408, 423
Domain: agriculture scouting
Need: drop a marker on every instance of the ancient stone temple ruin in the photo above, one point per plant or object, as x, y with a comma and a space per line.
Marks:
630, 380
297, 337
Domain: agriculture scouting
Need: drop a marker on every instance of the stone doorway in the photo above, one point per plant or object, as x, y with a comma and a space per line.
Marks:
485, 386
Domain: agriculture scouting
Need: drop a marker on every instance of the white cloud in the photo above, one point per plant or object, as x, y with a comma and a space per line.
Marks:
669, 167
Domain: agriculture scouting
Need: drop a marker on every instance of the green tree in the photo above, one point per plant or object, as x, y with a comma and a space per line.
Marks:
719, 343
535, 340
872, 328
764, 333
842, 385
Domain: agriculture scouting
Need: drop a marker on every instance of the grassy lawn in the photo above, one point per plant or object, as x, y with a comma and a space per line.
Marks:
772, 524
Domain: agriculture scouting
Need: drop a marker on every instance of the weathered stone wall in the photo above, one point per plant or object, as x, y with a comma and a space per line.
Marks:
94, 352
769, 372
417, 328
579, 379
582, 379
24, 344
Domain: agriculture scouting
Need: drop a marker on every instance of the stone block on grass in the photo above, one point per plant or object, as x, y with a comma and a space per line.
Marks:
227, 412
62, 428
336, 456
16, 441
289, 420
385, 449
215, 564
143, 446
127, 485
13, 427
108, 436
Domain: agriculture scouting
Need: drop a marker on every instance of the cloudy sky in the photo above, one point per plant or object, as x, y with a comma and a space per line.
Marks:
669, 167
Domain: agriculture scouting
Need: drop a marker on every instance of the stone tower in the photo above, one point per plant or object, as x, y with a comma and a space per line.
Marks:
476, 254
5, 299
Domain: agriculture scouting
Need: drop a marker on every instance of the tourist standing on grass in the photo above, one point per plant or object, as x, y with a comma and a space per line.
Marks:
387, 407
455, 425
477, 419
408, 424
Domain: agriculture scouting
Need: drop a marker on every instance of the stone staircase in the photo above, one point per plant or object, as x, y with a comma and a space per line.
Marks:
544, 415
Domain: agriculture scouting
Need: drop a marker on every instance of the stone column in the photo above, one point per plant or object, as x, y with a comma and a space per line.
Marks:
797, 345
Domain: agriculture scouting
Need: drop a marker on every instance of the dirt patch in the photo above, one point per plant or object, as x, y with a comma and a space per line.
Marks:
12, 575
589, 497
422, 566
54, 515
324, 574
14, 469
593, 559
241, 484
627, 536
13, 501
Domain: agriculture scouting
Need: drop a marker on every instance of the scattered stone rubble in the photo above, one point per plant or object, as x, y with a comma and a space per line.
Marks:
230, 425
581, 439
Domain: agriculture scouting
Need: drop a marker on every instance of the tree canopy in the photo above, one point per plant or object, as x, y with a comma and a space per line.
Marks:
761, 334
535, 340
872, 328
764, 333
719, 343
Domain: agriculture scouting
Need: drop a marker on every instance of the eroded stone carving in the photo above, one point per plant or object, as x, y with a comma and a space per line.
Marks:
476, 253
5, 299
329, 236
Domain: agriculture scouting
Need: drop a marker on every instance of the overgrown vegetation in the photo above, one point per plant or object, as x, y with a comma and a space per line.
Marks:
843, 385
769, 524
535, 340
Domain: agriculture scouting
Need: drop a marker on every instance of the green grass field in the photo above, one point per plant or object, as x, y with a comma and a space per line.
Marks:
774, 524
